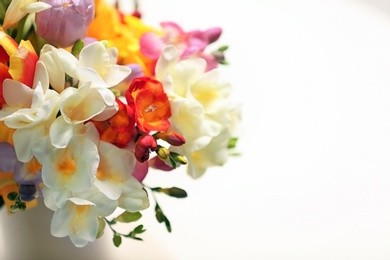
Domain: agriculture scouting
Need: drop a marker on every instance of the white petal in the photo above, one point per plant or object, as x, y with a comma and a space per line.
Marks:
168, 57
60, 223
55, 70
24, 141
6, 111
108, 112
61, 132
116, 74
185, 73
55, 199
89, 75
35, 7
68, 61
41, 76
17, 94
95, 56
114, 168
134, 198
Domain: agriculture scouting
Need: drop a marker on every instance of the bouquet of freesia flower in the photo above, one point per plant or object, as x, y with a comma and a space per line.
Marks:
91, 99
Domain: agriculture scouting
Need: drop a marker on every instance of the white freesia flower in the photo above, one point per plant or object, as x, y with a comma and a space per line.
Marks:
86, 102
76, 214
76, 219
30, 111
200, 110
104, 61
95, 57
72, 168
115, 167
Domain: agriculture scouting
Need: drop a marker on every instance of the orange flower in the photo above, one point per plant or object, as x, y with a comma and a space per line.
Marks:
151, 105
117, 130
16, 61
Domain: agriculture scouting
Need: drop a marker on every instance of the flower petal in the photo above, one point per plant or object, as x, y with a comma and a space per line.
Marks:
17, 94
7, 157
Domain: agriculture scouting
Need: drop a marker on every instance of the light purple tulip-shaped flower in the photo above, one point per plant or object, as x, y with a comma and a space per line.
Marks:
65, 22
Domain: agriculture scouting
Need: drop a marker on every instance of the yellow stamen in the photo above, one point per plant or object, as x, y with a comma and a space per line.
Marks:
67, 167
80, 209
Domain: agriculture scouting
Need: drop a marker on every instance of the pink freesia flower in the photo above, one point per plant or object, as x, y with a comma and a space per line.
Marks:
192, 43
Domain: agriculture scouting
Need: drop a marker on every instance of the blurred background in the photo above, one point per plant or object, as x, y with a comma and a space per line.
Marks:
313, 178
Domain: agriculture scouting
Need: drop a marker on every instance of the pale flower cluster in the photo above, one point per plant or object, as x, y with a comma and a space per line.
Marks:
202, 110
84, 178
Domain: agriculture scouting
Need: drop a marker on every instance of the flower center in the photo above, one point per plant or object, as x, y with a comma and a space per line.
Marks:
67, 167
151, 108
80, 209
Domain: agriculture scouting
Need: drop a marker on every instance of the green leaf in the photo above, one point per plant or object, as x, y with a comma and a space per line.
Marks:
173, 163
232, 143
173, 192
102, 226
138, 230
162, 218
127, 217
117, 240
13, 196
223, 48
168, 225
159, 214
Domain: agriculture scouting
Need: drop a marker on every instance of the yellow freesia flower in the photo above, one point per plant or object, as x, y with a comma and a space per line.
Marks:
122, 32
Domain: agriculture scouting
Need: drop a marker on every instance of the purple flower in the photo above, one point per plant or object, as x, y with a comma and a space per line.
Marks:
65, 22
27, 175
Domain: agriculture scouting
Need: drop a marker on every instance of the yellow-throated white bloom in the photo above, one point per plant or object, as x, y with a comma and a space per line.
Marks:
201, 109
78, 217
71, 168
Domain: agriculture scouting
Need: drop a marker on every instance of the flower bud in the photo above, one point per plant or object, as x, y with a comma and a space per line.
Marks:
213, 34
178, 158
145, 144
172, 138
162, 152
65, 22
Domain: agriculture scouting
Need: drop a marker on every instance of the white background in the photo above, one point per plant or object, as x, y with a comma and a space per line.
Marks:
313, 180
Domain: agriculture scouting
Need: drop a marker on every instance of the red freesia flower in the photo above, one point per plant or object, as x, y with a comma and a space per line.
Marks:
118, 129
150, 103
